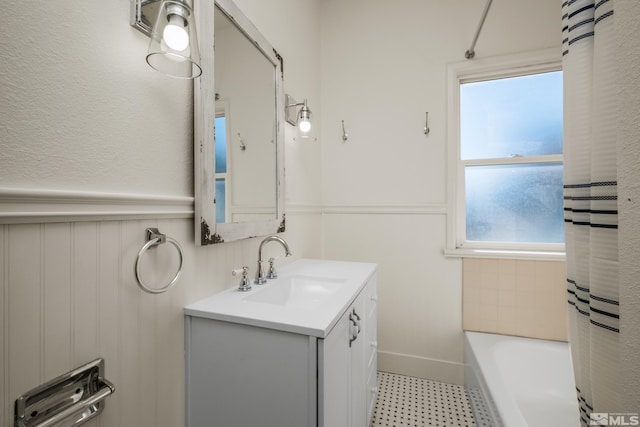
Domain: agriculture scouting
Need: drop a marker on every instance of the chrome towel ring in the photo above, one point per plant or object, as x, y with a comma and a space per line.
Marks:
155, 238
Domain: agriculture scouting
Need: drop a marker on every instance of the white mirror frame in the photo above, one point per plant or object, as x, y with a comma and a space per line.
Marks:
207, 231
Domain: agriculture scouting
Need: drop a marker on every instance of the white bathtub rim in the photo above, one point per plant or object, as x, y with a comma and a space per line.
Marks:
489, 374
508, 403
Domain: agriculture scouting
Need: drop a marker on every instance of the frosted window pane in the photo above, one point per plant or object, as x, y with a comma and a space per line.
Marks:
221, 144
220, 200
515, 203
517, 115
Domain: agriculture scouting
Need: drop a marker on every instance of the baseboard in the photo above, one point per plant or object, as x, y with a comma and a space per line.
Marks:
421, 367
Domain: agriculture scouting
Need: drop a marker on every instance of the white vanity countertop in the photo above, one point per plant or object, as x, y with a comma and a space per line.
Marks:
275, 310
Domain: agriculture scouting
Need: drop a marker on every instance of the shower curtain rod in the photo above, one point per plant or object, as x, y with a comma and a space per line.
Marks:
469, 54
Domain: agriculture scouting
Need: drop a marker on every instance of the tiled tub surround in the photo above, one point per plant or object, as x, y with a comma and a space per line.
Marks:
515, 297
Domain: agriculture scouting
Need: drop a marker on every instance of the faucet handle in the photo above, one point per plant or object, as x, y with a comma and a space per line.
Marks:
272, 271
242, 270
245, 284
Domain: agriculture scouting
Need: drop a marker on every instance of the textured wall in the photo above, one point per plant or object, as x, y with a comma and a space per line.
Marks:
81, 110
628, 33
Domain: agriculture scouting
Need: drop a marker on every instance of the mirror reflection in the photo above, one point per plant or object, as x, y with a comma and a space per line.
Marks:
245, 127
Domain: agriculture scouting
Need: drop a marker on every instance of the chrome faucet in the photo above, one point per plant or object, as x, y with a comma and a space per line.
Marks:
260, 279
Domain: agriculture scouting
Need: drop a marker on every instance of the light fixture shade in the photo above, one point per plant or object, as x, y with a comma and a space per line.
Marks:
304, 125
173, 49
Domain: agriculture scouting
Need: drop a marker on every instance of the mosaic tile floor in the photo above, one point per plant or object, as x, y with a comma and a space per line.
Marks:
414, 402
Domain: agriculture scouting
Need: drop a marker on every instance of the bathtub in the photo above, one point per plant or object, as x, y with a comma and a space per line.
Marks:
520, 382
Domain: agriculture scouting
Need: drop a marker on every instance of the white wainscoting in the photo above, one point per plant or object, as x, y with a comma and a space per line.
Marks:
68, 295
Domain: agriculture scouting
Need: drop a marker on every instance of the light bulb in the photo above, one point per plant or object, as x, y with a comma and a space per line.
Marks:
304, 126
175, 35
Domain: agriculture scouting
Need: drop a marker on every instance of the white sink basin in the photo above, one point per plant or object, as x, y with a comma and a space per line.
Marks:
308, 298
298, 291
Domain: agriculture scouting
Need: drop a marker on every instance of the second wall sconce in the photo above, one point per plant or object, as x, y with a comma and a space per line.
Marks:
173, 49
300, 118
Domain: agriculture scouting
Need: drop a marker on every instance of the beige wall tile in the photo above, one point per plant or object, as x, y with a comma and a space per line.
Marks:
507, 267
515, 297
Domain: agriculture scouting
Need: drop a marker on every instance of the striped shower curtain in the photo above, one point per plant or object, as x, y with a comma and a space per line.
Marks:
590, 192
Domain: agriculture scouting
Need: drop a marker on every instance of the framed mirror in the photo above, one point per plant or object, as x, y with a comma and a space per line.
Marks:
238, 118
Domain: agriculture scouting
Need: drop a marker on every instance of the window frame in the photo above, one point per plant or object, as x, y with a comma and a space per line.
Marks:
533, 62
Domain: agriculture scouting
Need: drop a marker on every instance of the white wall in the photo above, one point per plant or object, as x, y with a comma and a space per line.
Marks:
80, 110
628, 38
383, 66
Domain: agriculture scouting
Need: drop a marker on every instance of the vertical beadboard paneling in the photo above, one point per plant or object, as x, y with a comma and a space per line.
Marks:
167, 381
108, 313
170, 330
57, 324
131, 239
151, 261
68, 294
85, 294
25, 292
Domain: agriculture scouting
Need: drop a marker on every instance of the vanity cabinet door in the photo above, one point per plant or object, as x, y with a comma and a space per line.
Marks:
334, 363
345, 369
372, 345
358, 386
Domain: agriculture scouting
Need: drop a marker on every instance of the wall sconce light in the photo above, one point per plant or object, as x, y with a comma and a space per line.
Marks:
173, 49
301, 118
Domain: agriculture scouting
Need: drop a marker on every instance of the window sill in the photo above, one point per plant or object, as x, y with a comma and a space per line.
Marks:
531, 255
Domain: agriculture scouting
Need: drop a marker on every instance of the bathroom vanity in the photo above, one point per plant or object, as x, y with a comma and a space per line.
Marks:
297, 351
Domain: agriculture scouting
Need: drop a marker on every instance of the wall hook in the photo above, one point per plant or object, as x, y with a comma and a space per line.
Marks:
243, 147
426, 123
345, 136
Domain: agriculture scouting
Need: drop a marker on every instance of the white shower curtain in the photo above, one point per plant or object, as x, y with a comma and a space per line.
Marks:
591, 213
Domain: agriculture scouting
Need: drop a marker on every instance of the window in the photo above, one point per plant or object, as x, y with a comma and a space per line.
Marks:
221, 172
507, 141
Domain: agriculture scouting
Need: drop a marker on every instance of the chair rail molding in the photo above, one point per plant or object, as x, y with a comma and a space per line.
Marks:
19, 206
393, 209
